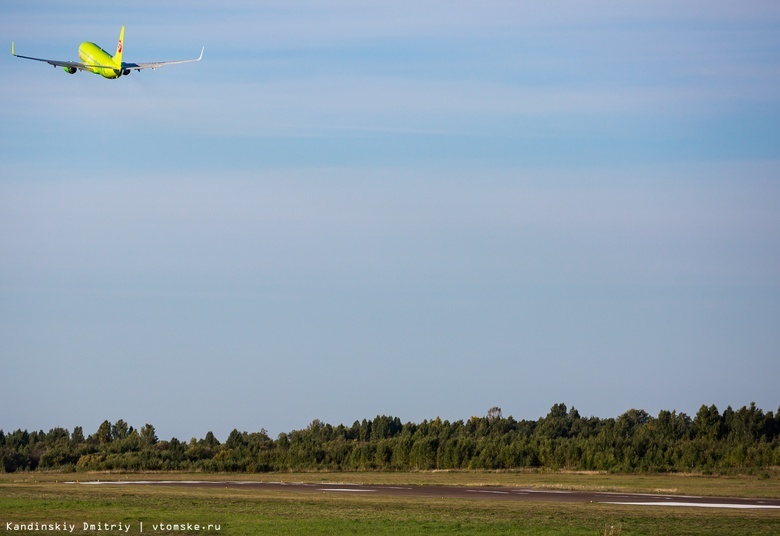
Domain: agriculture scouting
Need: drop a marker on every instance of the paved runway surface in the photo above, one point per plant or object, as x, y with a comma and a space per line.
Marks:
463, 492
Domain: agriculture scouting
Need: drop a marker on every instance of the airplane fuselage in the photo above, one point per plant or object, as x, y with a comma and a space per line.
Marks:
94, 56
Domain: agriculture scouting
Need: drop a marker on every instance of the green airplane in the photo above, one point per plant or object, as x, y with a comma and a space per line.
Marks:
98, 61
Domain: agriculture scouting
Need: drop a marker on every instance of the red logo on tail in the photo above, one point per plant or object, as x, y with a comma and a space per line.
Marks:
119, 47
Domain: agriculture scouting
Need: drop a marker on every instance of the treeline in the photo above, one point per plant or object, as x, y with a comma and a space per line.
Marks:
745, 440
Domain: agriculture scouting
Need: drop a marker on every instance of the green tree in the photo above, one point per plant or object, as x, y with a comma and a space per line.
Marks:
120, 430
103, 434
210, 441
556, 424
235, 440
148, 435
77, 437
494, 414
708, 423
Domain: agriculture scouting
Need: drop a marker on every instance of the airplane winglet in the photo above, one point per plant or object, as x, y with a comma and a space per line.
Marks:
13, 53
199, 57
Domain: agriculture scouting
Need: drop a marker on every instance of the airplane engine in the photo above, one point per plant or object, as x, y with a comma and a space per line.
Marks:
125, 72
70, 70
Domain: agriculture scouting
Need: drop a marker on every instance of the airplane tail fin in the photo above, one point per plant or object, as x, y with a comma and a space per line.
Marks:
120, 46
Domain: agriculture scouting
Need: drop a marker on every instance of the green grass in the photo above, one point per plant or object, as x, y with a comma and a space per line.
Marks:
45, 498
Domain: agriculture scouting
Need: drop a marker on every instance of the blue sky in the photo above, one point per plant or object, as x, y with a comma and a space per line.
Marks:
412, 209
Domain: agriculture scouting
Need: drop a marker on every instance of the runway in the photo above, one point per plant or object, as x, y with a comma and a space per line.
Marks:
465, 492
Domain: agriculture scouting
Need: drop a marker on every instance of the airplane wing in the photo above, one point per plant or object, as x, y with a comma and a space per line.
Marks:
58, 63
158, 64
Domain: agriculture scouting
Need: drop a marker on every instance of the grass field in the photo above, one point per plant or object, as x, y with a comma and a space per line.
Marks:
45, 498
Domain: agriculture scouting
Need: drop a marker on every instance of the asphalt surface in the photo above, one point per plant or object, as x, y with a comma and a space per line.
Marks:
464, 492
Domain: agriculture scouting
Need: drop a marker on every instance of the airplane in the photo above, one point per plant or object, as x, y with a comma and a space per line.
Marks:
98, 61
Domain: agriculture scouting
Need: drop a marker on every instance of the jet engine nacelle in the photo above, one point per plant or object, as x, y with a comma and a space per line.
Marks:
70, 70
125, 72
